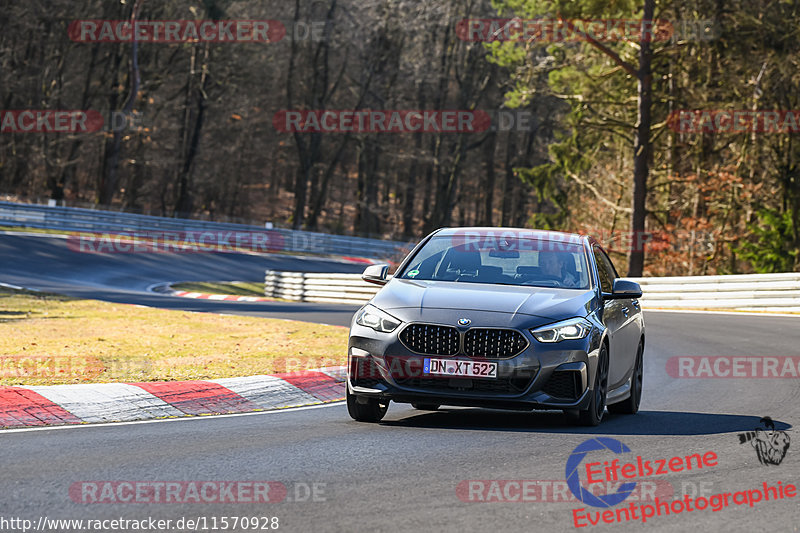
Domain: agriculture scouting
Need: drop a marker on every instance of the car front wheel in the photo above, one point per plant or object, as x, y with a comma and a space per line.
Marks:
370, 411
593, 414
630, 406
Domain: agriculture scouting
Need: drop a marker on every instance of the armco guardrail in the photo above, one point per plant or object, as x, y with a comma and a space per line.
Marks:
74, 219
308, 287
766, 292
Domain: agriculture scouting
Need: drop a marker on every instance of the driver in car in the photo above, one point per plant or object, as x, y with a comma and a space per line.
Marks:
554, 266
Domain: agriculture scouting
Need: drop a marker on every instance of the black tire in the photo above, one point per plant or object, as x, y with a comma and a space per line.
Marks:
425, 406
371, 411
593, 414
630, 406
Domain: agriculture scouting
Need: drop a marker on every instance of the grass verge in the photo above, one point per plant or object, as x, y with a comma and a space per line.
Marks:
48, 339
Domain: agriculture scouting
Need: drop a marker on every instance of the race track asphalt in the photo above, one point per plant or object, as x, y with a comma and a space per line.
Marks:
403, 474
46, 263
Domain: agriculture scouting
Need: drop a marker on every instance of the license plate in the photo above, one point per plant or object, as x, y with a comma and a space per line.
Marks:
471, 369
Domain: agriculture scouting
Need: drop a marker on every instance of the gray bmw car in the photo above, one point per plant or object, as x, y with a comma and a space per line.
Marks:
499, 318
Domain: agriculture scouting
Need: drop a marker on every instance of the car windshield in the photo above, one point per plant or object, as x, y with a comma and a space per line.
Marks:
503, 261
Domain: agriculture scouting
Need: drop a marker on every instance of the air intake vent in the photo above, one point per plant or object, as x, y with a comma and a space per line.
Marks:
494, 343
431, 339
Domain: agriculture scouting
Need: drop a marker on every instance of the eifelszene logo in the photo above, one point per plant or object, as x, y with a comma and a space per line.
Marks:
617, 471
770, 444
574, 481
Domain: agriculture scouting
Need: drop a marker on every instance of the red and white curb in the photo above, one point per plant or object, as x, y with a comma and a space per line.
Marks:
26, 406
167, 290
364, 260
221, 297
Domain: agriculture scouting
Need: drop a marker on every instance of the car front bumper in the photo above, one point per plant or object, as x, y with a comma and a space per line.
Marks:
542, 376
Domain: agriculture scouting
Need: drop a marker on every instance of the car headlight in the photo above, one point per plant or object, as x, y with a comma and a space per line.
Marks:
372, 317
574, 328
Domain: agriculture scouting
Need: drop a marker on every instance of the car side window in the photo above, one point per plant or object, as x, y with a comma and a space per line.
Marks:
605, 269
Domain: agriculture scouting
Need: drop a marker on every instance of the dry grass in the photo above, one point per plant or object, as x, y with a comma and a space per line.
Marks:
49, 339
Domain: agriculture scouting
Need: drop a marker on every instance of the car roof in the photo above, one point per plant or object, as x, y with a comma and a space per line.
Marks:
483, 231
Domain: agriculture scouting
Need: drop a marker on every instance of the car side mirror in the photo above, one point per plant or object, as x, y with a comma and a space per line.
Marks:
376, 274
624, 289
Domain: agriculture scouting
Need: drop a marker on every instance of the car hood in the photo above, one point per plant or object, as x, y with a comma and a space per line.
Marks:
547, 303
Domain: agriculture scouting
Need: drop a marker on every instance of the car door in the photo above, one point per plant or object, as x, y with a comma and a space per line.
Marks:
619, 318
613, 319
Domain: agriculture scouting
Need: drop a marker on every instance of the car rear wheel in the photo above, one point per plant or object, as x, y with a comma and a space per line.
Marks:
425, 406
630, 406
593, 414
370, 411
